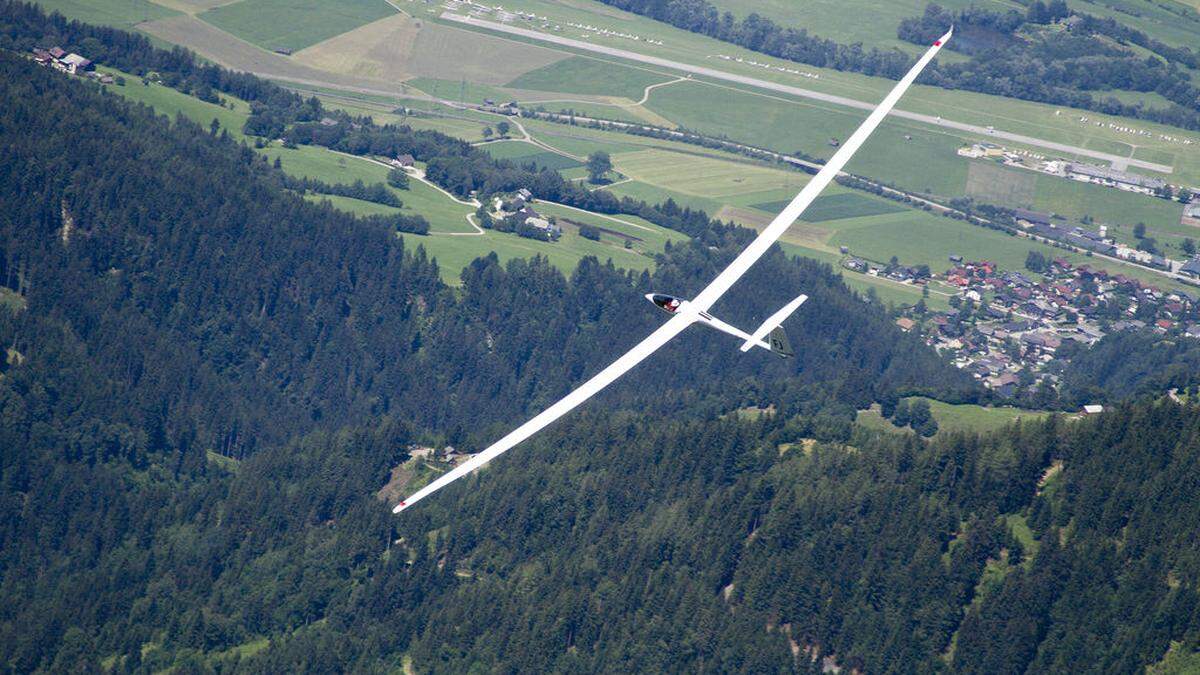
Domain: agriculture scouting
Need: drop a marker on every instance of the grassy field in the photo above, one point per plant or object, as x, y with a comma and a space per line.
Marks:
957, 417
790, 126
836, 206
653, 194
706, 176
995, 184
645, 237
294, 24
522, 153
455, 253
171, 102
582, 75
443, 213
116, 13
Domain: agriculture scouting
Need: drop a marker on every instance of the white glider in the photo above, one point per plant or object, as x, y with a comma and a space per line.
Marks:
686, 313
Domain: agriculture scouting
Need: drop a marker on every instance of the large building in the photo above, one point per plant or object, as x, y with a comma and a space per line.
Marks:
1090, 173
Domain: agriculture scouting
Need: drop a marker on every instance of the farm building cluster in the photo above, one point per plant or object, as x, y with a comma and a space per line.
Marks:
68, 62
1007, 328
514, 213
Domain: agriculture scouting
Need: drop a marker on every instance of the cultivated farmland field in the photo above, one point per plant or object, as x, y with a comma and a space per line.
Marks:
645, 236
294, 24
233, 52
455, 253
442, 212
400, 46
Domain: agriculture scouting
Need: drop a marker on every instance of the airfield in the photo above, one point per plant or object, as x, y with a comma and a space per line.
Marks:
437, 59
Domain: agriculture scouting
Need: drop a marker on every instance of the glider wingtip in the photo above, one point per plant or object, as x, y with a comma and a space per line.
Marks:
400, 507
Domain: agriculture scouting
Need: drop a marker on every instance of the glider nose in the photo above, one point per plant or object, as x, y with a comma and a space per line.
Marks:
667, 303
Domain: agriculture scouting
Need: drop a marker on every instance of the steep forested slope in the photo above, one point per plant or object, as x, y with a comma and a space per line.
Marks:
181, 311
210, 378
1129, 363
180, 248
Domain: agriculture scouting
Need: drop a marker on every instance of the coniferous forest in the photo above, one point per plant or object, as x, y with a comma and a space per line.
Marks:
208, 379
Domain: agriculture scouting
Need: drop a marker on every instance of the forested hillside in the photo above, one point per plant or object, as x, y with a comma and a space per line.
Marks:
188, 343
206, 379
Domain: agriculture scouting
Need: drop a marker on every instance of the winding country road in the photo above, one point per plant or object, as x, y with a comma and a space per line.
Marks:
937, 121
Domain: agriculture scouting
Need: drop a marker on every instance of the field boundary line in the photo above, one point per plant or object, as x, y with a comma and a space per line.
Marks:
420, 175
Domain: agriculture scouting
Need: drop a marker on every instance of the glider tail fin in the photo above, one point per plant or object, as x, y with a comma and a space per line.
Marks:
779, 343
771, 327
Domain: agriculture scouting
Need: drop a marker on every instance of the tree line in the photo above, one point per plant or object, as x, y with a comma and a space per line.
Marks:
1072, 68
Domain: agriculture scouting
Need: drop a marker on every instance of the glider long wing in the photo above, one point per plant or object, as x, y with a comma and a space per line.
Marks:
588, 389
713, 292
703, 301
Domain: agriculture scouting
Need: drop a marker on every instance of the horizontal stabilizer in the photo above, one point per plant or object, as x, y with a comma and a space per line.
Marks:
773, 322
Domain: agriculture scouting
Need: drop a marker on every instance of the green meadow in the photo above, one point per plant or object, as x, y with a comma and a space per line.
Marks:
116, 13
522, 153
171, 102
584, 75
957, 417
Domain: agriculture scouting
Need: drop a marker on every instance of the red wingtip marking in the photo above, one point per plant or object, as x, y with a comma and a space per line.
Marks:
937, 43
403, 504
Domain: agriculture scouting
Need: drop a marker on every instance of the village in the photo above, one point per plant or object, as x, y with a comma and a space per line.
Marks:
1008, 328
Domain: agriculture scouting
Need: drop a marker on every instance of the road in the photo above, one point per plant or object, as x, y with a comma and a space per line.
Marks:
420, 175
937, 121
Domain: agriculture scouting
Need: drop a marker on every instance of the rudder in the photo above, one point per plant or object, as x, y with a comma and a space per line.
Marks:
779, 343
